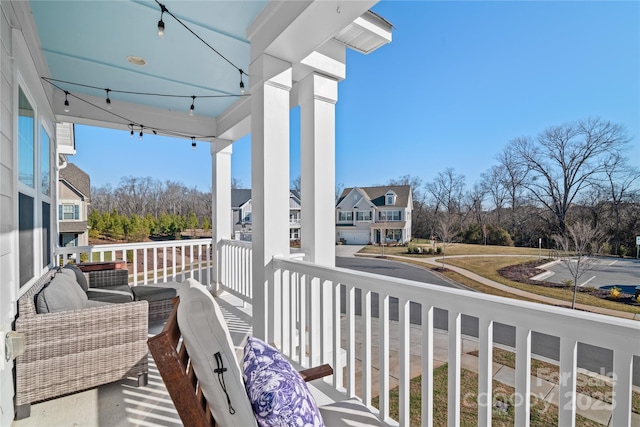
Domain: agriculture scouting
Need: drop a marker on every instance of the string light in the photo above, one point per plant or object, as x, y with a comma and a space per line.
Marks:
241, 83
108, 100
161, 22
193, 101
193, 143
66, 102
164, 9
132, 125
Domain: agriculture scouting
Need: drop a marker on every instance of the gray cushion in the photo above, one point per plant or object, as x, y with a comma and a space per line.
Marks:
118, 293
153, 293
82, 281
348, 413
92, 303
61, 294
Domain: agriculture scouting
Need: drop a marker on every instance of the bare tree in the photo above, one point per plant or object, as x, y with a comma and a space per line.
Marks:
565, 159
447, 229
619, 187
582, 239
447, 190
493, 182
513, 175
296, 185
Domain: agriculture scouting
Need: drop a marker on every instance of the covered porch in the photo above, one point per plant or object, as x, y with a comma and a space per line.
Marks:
364, 325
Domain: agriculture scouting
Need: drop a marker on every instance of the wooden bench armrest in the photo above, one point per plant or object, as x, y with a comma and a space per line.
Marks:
316, 372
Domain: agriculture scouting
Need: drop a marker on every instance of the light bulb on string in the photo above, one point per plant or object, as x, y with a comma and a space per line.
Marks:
66, 102
193, 107
241, 83
108, 100
140, 137
193, 143
161, 22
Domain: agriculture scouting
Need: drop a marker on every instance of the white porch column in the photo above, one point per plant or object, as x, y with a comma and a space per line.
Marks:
271, 81
221, 203
317, 96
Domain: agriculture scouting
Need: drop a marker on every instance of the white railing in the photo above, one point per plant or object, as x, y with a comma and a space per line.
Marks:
317, 305
151, 262
234, 261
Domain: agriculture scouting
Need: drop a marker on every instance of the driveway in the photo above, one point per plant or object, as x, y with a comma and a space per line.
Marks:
347, 250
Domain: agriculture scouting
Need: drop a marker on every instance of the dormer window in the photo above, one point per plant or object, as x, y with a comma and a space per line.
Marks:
390, 198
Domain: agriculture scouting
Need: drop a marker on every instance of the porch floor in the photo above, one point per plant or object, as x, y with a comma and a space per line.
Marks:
124, 404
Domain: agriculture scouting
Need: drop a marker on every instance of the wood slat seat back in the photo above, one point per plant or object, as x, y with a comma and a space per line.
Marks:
172, 360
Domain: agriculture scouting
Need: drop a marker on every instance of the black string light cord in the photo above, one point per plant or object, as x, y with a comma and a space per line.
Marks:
164, 9
131, 124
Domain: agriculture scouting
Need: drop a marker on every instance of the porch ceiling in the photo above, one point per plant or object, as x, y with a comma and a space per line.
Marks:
89, 42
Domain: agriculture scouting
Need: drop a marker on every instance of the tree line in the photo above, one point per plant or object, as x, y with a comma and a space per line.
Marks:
571, 173
538, 186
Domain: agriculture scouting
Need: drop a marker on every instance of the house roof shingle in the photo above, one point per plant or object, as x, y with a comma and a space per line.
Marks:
376, 194
77, 178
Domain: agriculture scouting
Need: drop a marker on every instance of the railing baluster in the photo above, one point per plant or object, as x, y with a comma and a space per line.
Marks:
622, 388
173, 261
182, 263
523, 376
337, 338
293, 337
312, 304
485, 371
404, 354
286, 313
145, 267
383, 314
302, 319
135, 266
351, 340
366, 348
568, 381
155, 264
427, 365
455, 323
164, 263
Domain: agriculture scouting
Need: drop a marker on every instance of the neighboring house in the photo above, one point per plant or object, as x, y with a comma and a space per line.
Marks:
73, 203
241, 214
368, 214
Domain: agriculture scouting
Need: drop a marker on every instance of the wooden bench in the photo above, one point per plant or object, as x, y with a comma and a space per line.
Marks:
172, 361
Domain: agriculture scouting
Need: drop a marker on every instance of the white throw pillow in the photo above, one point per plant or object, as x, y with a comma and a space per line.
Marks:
209, 344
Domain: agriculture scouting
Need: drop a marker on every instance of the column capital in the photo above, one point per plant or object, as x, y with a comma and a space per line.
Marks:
269, 70
222, 146
318, 87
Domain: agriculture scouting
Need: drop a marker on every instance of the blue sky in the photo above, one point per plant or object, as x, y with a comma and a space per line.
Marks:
457, 83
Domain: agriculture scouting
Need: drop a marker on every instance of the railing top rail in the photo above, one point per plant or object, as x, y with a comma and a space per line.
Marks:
138, 245
591, 328
240, 243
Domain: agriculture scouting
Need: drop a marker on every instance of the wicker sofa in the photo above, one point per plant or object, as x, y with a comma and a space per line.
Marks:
78, 349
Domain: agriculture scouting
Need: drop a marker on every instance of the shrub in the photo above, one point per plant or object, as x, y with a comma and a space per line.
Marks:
439, 250
606, 248
622, 251
130, 256
567, 283
430, 251
84, 257
615, 292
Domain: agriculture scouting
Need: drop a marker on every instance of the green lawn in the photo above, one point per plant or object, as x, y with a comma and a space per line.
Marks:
542, 413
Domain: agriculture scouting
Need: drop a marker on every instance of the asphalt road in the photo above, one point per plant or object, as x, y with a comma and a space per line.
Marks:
595, 359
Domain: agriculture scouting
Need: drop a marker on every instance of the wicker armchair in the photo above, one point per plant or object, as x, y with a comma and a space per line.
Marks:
74, 350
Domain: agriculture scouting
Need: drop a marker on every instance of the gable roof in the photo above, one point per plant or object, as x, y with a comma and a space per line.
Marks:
239, 197
376, 194
76, 178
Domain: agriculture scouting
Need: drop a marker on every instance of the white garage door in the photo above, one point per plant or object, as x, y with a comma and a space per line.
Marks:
355, 237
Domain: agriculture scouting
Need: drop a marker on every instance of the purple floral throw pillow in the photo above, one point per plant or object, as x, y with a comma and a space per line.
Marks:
277, 392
